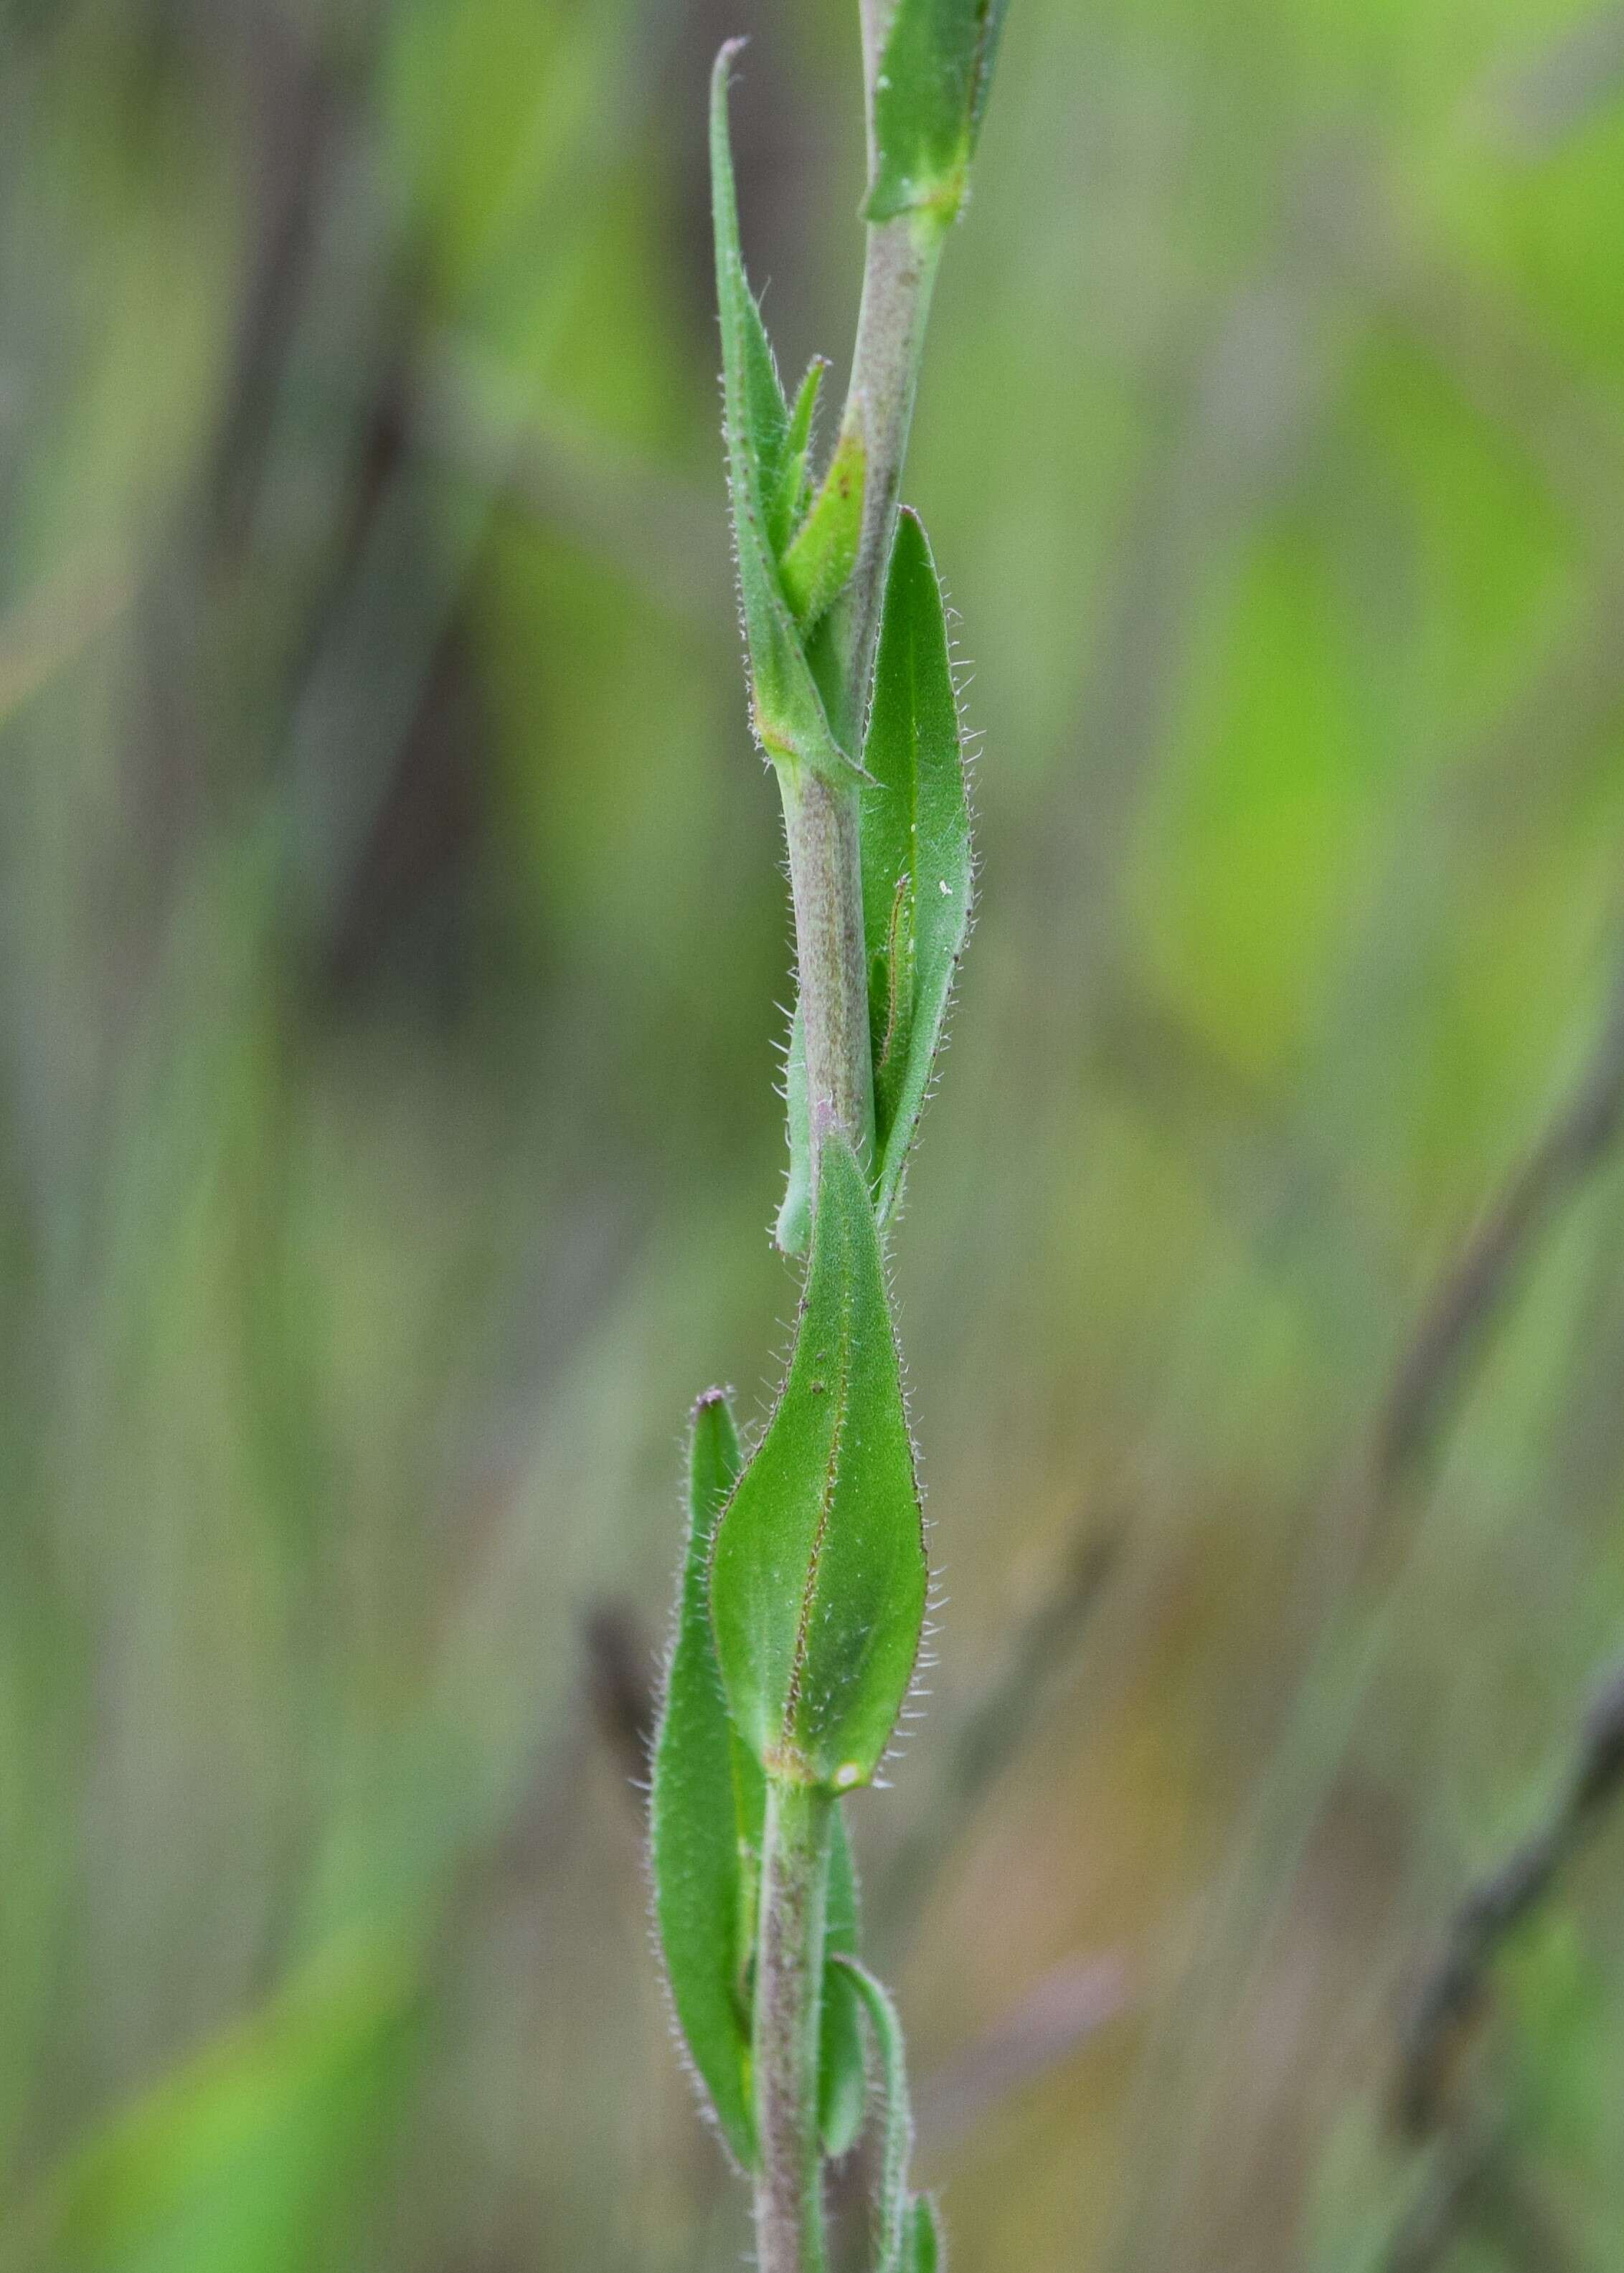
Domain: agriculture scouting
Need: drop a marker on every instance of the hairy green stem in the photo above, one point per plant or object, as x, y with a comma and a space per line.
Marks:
899, 270
819, 824
789, 1980
821, 819
873, 17
899, 273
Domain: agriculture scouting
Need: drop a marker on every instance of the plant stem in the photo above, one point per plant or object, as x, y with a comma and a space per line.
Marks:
899, 273
789, 1980
873, 17
820, 825
821, 820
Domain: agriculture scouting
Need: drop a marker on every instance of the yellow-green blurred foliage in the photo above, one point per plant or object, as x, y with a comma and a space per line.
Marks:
393, 929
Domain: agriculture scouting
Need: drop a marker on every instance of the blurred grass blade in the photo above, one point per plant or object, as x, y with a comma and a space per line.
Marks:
917, 863
843, 2078
894, 2210
254, 2153
817, 1581
930, 94
787, 711
705, 1811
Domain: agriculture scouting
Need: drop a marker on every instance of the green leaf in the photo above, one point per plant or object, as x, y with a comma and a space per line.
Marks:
790, 498
817, 1578
843, 2076
794, 1224
756, 409
705, 1812
708, 1802
922, 2245
786, 710
916, 862
895, 2219
929, 97
821, 558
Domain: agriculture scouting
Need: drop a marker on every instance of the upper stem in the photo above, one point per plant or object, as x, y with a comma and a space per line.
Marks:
821, 820
789, 1981
874, 17
899, 271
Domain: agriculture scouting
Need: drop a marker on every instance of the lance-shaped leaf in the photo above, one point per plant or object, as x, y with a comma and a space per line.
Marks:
894, 2209
929, 97
708, 1802
818, 1577
917, 863
705, 1811
786, 710
843, 2079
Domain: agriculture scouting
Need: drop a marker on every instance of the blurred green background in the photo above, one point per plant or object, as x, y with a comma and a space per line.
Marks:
393, 929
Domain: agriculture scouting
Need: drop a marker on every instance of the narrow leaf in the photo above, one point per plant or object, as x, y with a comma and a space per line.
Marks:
917, 863
893, 2208
817, 1578
705, 1811
922, 2249
929, 98
757, 408
820, 561
843, 2078
787, 711
794, 1224
892, 981
788, 501
708, 1797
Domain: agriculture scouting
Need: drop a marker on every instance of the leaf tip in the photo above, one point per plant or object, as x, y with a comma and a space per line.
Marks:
725, 53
